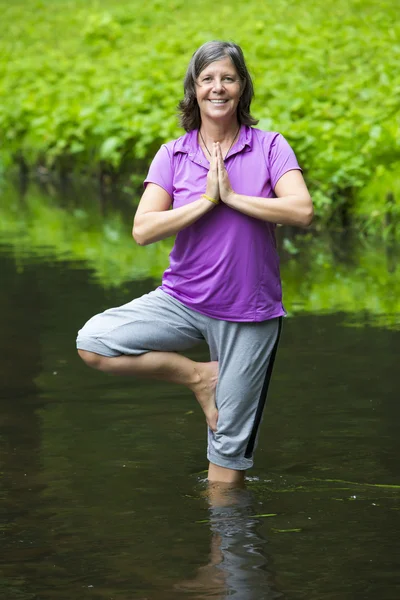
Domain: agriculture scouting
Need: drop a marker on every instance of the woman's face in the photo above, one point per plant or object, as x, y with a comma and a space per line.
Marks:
218, 90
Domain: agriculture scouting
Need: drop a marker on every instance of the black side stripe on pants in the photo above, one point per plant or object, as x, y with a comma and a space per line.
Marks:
263, 396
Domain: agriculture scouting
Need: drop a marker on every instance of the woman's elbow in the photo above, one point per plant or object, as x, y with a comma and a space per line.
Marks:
138, 236
308, 218
307, 214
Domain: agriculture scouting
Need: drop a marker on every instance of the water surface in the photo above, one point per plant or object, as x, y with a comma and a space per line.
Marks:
103, 492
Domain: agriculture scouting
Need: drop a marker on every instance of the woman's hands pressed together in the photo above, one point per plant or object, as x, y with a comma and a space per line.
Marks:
218, 184
212, 188
224, 185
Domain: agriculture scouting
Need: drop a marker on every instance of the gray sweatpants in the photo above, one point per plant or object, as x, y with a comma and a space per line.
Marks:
245, 353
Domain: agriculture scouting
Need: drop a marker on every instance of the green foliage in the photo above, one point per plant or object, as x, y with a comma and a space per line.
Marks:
94, 86
378, 208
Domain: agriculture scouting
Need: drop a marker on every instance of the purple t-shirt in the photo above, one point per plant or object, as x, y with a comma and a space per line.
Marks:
225, 265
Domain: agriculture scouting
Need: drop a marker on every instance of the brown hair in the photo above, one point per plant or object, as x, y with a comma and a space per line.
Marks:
189, 112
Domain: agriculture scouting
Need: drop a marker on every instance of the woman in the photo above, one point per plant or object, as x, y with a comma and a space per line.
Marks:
228, 184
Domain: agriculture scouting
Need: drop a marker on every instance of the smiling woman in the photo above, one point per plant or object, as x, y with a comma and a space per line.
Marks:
228, 184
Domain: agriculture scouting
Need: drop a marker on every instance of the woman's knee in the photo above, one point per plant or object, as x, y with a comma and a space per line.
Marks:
96, 361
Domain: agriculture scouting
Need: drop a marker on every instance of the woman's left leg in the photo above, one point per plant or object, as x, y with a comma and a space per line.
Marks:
245, 354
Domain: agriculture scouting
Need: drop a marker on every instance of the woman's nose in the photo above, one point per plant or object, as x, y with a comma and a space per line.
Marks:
217, 87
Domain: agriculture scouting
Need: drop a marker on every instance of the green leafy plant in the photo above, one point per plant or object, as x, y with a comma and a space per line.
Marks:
93, 87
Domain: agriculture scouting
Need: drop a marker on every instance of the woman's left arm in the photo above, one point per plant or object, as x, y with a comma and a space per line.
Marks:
292, 206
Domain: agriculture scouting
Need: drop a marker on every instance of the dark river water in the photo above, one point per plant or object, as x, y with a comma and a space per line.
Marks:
103, 492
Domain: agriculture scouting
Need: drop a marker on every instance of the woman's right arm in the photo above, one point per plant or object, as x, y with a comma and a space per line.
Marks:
154, 221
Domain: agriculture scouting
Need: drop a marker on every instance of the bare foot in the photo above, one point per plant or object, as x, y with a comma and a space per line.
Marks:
204, 391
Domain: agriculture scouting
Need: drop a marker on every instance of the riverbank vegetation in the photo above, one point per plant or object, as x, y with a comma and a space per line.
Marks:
92, 88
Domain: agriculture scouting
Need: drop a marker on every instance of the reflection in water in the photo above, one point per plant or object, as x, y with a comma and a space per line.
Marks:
238, 566
321, 273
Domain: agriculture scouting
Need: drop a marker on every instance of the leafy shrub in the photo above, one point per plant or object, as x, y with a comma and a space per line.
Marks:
94, 86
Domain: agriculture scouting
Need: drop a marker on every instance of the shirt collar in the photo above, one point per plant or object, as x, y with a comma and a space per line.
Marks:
188, 144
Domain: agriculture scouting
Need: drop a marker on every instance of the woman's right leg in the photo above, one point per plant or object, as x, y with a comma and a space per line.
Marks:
142, 338
200, 378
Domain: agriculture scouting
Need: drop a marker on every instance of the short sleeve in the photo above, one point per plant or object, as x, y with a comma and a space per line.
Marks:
161, 171
281, 158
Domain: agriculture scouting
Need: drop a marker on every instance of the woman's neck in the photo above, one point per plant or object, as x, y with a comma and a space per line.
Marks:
219, 132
